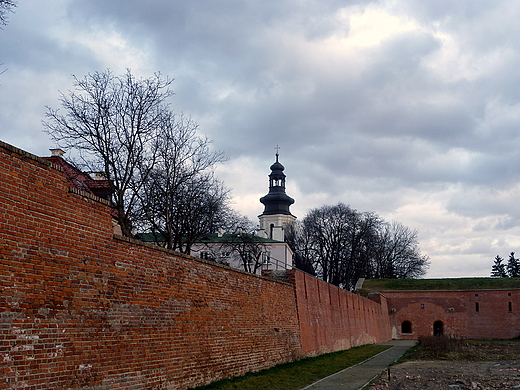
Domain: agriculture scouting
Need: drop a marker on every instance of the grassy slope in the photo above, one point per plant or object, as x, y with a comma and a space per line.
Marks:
441, 284
295, 375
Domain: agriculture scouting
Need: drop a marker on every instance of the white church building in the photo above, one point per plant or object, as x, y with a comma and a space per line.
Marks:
268, 249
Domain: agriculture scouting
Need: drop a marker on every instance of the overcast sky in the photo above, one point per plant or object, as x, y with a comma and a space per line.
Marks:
409, 109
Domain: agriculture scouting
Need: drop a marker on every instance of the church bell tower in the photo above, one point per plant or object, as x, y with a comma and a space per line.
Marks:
276, 213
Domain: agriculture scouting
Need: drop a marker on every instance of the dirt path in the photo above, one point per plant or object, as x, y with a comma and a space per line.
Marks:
497, 367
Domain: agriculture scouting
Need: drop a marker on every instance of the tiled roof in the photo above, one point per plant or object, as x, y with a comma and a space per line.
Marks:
80, 180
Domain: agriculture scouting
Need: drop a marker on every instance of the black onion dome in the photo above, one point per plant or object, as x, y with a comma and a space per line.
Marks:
277, 166
276, 201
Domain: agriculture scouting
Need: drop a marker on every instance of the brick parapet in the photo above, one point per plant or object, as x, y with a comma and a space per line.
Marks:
332, 319
10, 149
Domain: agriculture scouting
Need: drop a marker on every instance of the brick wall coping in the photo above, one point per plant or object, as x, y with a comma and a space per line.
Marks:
90, 196
52, 165
28, 155
193, 258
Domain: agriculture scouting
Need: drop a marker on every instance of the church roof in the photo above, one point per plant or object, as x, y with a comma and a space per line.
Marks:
277, 201
277, 167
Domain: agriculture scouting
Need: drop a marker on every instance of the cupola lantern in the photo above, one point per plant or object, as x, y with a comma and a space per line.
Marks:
276, 203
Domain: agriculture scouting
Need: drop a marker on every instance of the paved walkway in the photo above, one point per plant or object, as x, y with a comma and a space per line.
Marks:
355, 377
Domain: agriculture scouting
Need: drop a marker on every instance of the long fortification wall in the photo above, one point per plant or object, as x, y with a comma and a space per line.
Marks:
82, 308
333, 319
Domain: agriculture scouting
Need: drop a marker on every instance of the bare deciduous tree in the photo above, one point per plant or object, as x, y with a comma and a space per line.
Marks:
159, 170
297, 239
397, 255
181, 199
6, 6
114, 122
179, 218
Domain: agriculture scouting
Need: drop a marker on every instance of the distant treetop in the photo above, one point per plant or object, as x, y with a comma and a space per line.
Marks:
6, 6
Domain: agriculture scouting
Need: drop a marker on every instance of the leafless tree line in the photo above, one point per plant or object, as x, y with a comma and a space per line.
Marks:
341, 245
240, 241
161, 177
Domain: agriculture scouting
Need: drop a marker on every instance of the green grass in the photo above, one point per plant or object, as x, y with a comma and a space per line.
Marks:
298, 374
441, 284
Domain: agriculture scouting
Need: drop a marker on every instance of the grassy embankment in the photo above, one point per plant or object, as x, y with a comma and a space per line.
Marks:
440, 284
298, 374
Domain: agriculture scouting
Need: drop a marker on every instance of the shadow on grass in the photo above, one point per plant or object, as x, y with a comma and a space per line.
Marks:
298, 374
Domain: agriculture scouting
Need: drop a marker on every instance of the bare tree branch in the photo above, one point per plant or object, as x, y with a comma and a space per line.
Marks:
181, 199
114, 122
6, 6
343, 245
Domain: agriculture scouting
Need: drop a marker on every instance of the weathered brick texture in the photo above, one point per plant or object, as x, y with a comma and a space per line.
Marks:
481, 314
332, 319
82, 308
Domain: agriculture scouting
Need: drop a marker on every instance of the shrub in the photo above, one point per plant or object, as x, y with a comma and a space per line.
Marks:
436, 347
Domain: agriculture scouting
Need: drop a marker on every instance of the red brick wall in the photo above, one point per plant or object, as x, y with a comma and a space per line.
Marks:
457, 311
80, 308
332, 319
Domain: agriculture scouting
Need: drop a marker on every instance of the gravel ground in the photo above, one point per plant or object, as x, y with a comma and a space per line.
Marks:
476, 366
451, 375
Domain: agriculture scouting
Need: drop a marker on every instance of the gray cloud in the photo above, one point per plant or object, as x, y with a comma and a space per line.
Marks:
409, 109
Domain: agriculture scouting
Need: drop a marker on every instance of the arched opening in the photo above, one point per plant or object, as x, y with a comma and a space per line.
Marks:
406, 327
438, 328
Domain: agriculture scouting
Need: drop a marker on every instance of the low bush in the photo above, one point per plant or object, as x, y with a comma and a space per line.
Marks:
453, 348
438, 347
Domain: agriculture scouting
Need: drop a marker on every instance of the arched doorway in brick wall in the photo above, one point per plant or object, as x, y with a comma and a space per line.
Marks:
438, 328
406, 327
